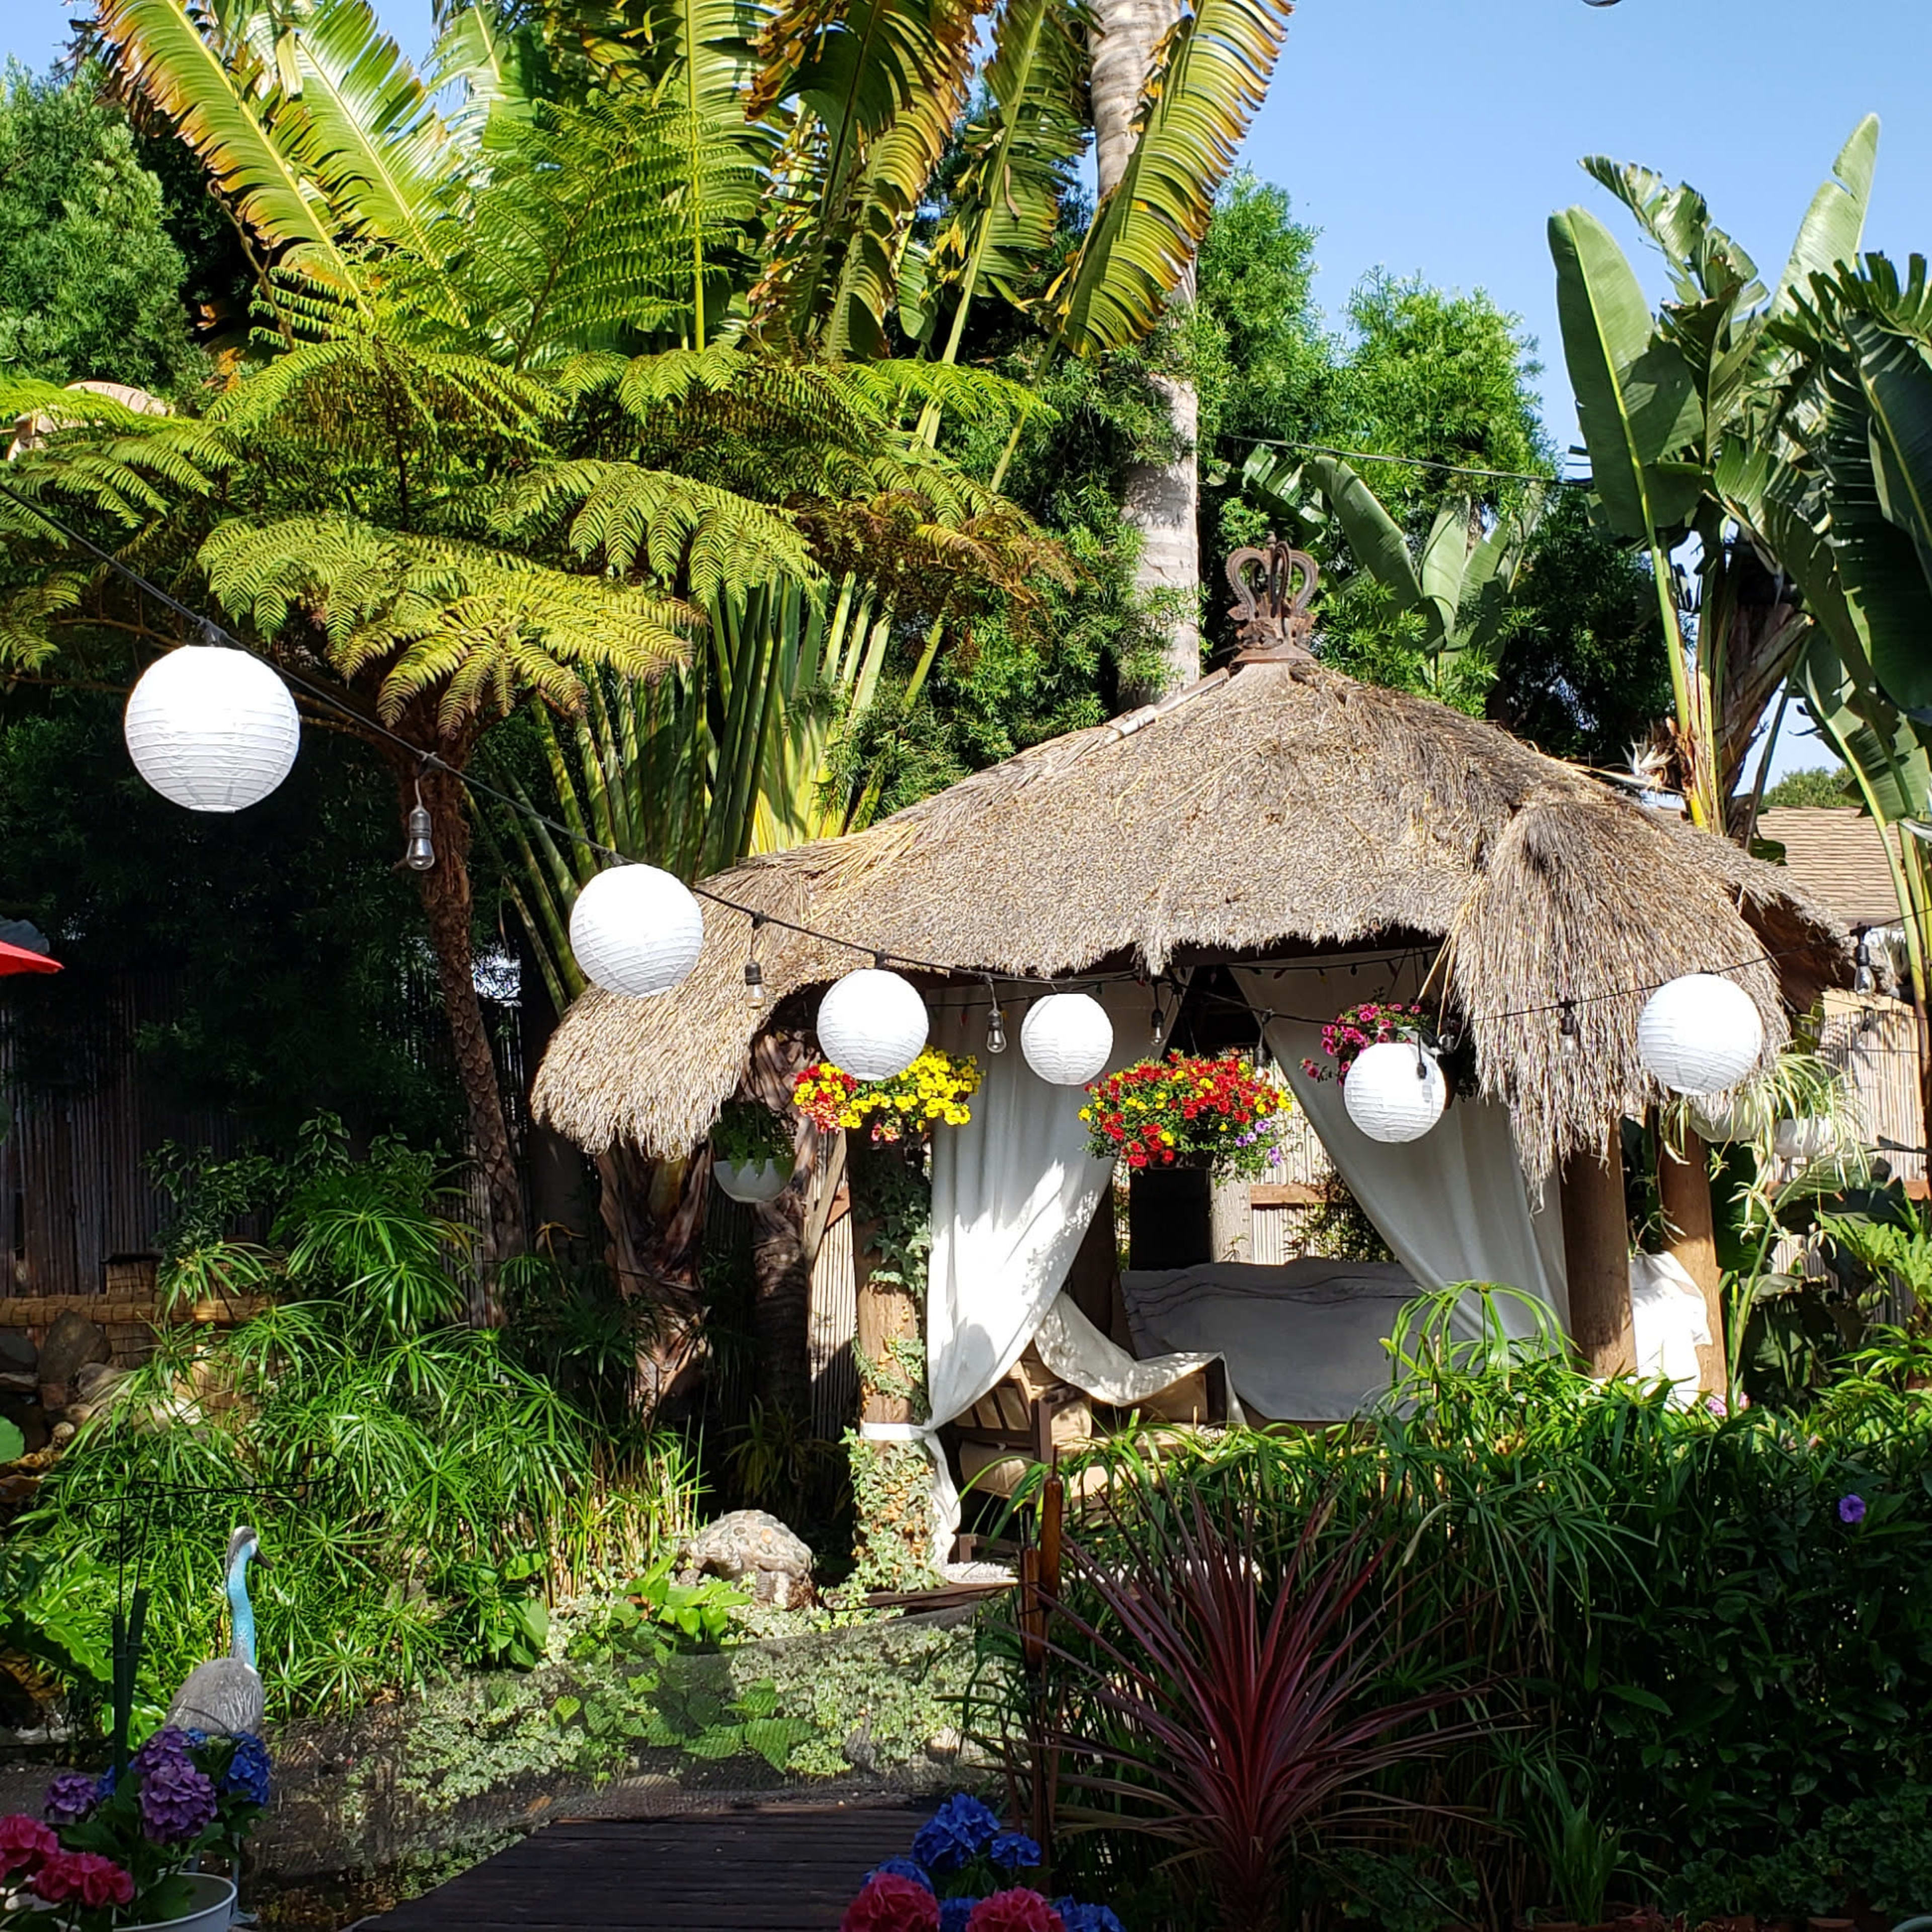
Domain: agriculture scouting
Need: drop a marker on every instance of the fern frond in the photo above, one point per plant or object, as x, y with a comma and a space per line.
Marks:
26, 642
677, 529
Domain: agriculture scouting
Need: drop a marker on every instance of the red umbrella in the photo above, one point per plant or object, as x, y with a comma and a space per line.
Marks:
20, 959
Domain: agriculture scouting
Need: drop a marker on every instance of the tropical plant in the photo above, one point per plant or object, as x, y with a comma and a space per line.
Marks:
422, 1489
1459, 583
1223, 1696
1673, 407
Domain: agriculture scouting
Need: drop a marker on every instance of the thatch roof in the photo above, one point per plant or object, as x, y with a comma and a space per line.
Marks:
1269, 810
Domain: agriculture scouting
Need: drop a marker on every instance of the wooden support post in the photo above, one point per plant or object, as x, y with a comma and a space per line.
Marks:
1596, 1258
1684, 1189
886, 1313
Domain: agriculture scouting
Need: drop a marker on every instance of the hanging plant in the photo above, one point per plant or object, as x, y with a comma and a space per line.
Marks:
1351, 1033
1185, 1110
747, 1134
932, 1092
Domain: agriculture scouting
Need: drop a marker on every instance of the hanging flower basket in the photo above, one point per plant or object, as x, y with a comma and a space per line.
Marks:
1187, 1111
932, 1092
1352, 1033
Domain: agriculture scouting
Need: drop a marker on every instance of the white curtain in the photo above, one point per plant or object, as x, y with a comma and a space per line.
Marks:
1013, 1192
1453, 1206
1077, 1352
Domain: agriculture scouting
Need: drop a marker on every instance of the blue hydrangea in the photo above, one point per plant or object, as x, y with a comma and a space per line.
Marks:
954, 1913
1086, 1917
958, 1832
248, 1774
1012, 1850
106, 1782
903, 1868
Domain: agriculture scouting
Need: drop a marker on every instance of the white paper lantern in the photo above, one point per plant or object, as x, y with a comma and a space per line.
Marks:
636, 931
872, 1023
752, 1181
1807, 1140
213, 729
1699, 1034
1067, 1039
1395, 1091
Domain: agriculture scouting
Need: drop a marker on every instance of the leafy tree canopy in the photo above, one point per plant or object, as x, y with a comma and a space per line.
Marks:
1817, 784
93, 281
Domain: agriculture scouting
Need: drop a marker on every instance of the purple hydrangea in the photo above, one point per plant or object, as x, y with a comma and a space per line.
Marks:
166, 1746
71, 1796
1852, 1509
247, 1773
177, 1802
1086, 1917
954, 1913
958, 1832
1012, 1850
902, 1868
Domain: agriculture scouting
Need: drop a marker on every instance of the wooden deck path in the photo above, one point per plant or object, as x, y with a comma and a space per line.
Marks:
777, 1868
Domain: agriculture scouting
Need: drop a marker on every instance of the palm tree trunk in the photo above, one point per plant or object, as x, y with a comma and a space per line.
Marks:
1162, 500
449, 908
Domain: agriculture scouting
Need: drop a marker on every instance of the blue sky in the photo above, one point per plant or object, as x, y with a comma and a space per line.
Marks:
1435, 136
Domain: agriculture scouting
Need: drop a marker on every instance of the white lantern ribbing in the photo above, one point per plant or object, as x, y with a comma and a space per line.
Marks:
1395, 1091
1699, 1034
752, 1181
636, 931
211, 728
1067, 1039
872, 1023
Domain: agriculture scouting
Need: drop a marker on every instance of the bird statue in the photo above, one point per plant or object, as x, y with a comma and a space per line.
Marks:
224, 1696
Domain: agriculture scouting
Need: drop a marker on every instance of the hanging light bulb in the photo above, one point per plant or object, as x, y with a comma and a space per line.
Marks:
419, 854
1567, 1027
754, 974
1158, 1032
1866, 981
996, 1024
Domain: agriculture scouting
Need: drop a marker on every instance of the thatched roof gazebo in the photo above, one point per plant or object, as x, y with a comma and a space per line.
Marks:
1276, 809
1273, 810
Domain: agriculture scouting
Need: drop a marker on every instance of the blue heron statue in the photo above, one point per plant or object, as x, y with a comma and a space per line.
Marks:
224, 1696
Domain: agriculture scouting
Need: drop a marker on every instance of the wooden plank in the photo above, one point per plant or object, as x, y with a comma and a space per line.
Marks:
789, 1868
35, 1311
1284, 1194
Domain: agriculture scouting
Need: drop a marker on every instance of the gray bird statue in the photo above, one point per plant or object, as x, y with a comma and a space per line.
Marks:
224, 1696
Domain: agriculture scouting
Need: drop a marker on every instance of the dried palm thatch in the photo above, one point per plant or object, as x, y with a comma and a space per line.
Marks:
1270, 810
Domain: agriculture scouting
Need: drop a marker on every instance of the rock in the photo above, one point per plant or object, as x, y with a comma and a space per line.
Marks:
750, 1547
62, 1434
95, 1382
18, 1355
72, 1342
943, 1746
18, 1381
55, 1397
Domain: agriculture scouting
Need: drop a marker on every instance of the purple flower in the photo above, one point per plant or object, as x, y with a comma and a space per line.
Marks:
1852, 1509
902, 1868
1012, 1850
959, 1831
166, 1746
177, 1802
71, 1796
954, 1913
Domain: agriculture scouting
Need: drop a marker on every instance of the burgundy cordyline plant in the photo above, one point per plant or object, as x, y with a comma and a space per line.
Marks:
1233, 1712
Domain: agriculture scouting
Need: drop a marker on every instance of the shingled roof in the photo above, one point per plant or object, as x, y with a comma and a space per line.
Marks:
1835, 855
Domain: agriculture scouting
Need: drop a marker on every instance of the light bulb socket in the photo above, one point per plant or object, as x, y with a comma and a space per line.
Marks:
996, 1032
1567, 1027
419, 854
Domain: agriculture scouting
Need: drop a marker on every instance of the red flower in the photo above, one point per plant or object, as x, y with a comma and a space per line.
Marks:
1021, 1909
102, 1882
24, 1843
890, 1903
